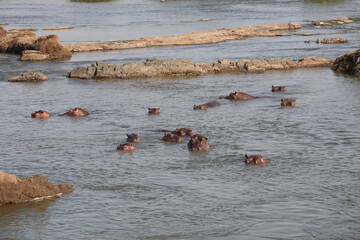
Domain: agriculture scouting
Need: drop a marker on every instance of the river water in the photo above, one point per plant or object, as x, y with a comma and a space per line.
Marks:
308, 190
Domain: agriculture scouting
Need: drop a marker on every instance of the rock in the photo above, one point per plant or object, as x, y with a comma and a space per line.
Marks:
331, 40
12, 31
348, 63
2, 32
183, 67
33, 55
205, 19
334, 21
58, 28
3, 23
37, 187
29, 77
49, 46
206, 37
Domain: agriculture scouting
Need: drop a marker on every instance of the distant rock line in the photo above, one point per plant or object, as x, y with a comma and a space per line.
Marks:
184, 67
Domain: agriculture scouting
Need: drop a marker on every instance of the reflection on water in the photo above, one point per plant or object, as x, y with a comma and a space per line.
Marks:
309, 188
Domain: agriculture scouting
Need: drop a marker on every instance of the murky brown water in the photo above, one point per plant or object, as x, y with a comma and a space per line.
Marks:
308, 190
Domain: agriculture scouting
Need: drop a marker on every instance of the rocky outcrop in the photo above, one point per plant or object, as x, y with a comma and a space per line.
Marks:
332, 40
29, 77
2, 32
33, 55
37, 187
334, 21
49, 46
58, 28
206, 37
348, 63
182, 67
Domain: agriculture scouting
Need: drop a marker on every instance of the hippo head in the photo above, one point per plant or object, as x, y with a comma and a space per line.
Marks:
133, 137
201, 107
153, 110
288, 102
182, 132
76, 112
278, 88
40, 114
254, 160
198, 143
126, 147
172, 138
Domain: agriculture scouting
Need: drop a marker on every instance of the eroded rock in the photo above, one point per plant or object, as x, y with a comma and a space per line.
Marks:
348, 63
49, 47
37, 187
183, 67
29, 77
206, 37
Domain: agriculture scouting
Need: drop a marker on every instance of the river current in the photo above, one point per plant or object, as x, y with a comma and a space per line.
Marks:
309, 189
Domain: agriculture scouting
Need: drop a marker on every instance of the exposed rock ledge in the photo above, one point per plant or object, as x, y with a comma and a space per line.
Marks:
213, 36
181, 67
37, 187
348, 63
47, 47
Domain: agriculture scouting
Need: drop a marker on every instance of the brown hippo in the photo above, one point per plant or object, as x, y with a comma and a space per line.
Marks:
207, 105
41, 114
133, 137
238, 96
153, 110
172, 138
288, 102
278, 88
76, 112
198, 143
126, 147
254, 160
182, 132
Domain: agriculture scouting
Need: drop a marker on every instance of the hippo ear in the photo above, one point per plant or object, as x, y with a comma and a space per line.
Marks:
158, 108
137, 134
246, 156
164, 134
131, 144
127, 135
282, 100
189, 128
176, 129
260, 156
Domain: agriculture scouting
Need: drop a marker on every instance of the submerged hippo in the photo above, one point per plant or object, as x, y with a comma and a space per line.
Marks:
182, 132
198, 143
207, 105
238, 96
288, 102
278, 88
153, 110
133, 137
254, 160
40, 114
76, 112
172, 138
126, 147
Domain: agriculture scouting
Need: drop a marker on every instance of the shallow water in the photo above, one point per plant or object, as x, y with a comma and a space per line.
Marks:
308, 190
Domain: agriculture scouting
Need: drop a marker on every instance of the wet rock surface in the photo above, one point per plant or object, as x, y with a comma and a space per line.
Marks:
48, 47
348, 63
334, 21
206, 37
37, 187
29, 77
182, 67
332, 40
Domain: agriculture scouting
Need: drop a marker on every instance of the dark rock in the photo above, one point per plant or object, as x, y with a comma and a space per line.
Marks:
348, 63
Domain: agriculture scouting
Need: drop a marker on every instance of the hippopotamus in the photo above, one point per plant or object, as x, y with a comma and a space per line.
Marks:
153, 110
198, 143
238, 96
254, 160
182, 132
288, 102
133, 137
207, 105
40, 114
76, 112
172, 138
278, 88
126, 147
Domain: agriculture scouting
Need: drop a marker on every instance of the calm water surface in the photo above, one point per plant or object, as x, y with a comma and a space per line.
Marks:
308, 190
